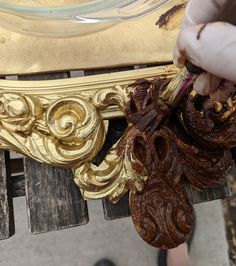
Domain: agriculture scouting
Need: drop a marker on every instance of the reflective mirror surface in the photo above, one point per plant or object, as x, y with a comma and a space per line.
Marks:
71, 17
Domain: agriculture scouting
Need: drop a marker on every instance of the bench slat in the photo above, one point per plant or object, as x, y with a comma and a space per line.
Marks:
121, 209
7, 226
118, 210
54, 202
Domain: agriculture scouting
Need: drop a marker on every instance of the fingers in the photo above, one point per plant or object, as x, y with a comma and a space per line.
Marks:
197, 12
201, 11
213, 49
219, 90
178, 59
206, 84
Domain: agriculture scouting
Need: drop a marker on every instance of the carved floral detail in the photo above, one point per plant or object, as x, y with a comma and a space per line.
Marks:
18, 113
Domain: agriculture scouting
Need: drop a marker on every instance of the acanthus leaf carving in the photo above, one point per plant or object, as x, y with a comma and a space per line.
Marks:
162, 212
120, 171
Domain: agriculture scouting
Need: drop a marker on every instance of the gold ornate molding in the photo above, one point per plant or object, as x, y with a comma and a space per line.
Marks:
63, 123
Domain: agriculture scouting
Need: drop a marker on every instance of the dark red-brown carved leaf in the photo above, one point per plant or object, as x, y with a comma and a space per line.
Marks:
175, 157
146, 110
162, 212
164, 196
162, 215
203, 168
205, 127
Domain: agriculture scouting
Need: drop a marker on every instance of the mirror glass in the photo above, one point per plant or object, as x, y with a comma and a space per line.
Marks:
71, 17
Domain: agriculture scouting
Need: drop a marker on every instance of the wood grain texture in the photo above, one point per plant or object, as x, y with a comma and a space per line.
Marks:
118, 210
18, 186
53, 200
230, 216
7, 227
209, 194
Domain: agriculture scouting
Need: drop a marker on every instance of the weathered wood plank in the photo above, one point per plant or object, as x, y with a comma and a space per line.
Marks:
53, 200
121, 209
47, 76
18, 186
118, 210
7, 227
208, 194
230, 215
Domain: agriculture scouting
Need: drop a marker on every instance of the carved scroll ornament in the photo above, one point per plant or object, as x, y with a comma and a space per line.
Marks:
162, 213
63, 133
64, 123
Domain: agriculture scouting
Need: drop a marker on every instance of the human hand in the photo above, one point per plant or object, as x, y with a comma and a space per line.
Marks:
209, 45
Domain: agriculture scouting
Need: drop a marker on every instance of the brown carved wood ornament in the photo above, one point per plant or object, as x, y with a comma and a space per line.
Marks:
192, 144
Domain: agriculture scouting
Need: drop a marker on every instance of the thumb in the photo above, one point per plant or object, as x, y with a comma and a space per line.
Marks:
219, 90
201, 11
